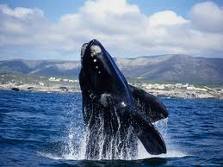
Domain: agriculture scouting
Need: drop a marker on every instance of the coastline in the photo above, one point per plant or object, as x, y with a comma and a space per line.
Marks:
162, 90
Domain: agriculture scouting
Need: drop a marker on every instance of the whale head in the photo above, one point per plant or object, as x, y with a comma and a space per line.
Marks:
100, 74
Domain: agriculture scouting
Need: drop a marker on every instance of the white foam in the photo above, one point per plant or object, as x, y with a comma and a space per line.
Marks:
142, 154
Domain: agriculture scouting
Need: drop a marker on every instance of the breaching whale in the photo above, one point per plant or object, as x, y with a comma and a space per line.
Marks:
115, 113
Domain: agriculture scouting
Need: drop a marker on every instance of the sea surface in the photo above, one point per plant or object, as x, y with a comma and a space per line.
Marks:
46, 129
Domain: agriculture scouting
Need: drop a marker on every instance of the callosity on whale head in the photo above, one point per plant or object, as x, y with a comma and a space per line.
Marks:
115, 110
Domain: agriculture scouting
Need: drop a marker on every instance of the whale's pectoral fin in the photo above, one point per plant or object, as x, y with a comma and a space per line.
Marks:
149, 106
148, 135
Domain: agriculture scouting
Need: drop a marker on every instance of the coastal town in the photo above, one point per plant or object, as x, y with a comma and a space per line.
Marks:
57, 84
182, 90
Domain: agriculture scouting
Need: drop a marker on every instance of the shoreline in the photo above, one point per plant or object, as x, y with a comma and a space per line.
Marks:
171, 93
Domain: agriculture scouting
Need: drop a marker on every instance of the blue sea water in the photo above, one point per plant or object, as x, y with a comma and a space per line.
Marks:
46, 129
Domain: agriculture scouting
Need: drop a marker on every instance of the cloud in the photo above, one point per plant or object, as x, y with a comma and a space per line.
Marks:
122, 28
166, 18
20, 12
207, 16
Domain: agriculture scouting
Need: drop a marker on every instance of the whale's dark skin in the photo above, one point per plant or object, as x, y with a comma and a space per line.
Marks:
121, 109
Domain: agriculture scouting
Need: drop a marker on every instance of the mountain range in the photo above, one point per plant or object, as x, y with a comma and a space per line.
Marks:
163, 68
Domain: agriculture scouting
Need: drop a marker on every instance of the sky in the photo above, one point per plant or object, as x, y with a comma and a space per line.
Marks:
50, 29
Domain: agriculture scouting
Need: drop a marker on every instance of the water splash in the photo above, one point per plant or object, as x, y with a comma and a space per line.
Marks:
161, 125
79, 138
109, 140
73, 143
76, 149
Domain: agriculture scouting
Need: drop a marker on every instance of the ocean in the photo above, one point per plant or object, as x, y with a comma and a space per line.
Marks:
46, 129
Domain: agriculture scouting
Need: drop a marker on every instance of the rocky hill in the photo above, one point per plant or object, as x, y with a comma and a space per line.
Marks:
164, 68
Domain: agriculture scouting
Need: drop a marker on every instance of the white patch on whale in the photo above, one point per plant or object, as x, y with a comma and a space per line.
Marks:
123, 104
105, 99
95, 49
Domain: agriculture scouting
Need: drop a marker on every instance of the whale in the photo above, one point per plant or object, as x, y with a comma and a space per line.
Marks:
117, 116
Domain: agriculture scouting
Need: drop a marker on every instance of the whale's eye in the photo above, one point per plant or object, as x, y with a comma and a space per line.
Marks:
95, 49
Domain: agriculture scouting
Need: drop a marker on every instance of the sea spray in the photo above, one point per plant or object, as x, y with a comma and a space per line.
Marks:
75, 142
94, 143
109, 140
161, 125
81, 137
